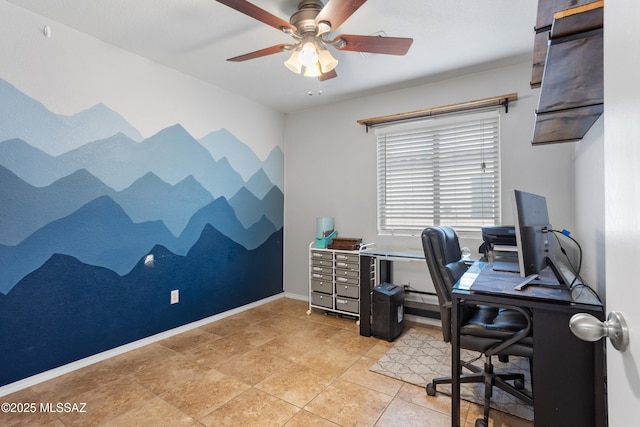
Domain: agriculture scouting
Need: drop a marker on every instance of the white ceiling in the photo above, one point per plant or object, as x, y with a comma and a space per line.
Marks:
196, 36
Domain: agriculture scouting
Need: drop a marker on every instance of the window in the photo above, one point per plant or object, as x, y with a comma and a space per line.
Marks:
439, 171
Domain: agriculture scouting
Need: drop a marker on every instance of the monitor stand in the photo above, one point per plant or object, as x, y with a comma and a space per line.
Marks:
509, 266
550, 277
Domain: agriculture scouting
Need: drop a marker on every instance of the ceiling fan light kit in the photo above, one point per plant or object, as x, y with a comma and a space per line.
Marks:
310, 26
312, 71
308, 54
293, 63
327, 61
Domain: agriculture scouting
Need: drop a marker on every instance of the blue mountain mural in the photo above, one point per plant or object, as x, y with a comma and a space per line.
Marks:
259, 184
25, 118
249, 209
40, 169
67, 310
221, 215
273, 166
172, 154
222, 144
31, 164
100, 233
84, 200
25, 208
273, 206
150, 198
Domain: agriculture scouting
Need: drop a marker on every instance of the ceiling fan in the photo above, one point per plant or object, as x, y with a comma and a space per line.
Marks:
310, 26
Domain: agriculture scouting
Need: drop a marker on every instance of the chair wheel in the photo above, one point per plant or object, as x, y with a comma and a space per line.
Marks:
518, 384
431, 389
480, 423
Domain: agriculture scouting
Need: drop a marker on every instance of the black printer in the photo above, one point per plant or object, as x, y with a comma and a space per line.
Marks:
498, 235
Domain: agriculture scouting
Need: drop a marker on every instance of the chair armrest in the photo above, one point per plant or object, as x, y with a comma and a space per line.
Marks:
517, 336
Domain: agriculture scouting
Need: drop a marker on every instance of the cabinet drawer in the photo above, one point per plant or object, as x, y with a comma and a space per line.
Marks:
355, 258
326, 287
347, 273
348, 304
346, 290
321, 255
323, 277
321, 270
322, 263
354, 266
322, 300
349, 280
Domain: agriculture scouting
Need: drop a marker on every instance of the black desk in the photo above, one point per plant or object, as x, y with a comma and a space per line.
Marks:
568, 373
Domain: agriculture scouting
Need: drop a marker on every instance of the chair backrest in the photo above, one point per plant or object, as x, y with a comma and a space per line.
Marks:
444, 260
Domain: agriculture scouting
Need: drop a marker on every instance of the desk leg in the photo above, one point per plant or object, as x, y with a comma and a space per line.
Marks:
365, 295
455, 363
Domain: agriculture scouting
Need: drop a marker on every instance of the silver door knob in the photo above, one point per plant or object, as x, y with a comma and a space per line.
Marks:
588, 328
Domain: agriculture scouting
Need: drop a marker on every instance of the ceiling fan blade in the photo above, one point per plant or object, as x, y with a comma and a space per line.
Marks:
337, 11
255, 12
375, 44
258, 53
329, 75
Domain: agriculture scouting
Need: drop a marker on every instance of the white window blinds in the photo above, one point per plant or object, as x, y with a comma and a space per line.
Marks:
441, 171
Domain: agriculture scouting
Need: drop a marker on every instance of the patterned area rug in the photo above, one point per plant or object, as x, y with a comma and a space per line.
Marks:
421, 355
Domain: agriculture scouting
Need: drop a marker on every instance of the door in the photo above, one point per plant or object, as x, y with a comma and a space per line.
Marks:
622, 202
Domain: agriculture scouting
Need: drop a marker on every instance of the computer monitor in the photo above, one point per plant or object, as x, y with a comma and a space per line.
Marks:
533, 233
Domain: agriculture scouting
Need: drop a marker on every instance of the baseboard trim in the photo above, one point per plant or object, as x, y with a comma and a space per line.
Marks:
297, 296
420, 320
78, 364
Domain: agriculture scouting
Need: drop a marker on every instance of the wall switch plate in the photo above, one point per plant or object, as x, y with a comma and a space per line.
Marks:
175, 296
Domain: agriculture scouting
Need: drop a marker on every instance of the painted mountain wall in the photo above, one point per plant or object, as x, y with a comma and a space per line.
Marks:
98, 225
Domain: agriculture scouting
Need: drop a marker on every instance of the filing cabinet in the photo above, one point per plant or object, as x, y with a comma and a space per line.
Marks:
334, 280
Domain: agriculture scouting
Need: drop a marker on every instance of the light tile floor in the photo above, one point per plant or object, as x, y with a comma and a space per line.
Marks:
273, 365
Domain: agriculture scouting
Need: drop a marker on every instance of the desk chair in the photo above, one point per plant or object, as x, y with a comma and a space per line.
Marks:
492, 331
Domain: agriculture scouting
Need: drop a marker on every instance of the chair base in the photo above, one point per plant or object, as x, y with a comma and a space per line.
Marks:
490, 379
518, 381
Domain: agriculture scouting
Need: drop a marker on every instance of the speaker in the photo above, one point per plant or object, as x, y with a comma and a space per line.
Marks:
388, 311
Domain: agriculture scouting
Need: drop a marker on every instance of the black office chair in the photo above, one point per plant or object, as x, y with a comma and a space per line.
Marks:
492, 331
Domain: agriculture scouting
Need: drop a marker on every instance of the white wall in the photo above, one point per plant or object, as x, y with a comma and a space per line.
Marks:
589, 206
71, 71
330, 166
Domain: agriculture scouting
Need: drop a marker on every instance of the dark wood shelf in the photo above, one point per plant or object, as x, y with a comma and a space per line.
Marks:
565, 125
544, 20
572, 95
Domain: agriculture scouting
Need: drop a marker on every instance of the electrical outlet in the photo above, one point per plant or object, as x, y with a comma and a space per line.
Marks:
175, 296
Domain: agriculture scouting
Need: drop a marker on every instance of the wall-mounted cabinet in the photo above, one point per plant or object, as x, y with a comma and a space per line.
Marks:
571, 74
